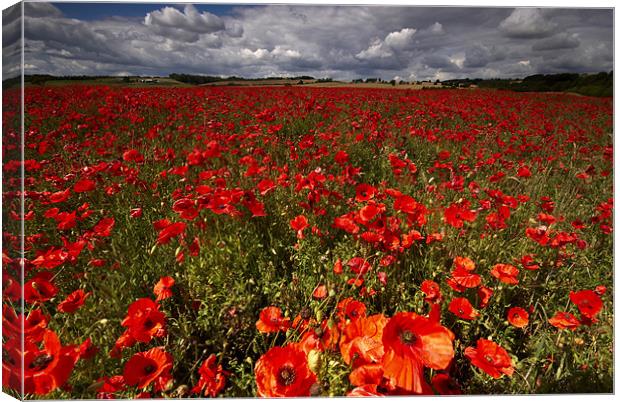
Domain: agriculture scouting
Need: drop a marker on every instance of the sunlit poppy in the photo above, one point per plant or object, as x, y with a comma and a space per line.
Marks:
588, 302
145, 367
518, 317
212, 378
490, 358
284, 372
412, 342
271, 320
506, 273
73, 302
462, 308
564, 320
163, 287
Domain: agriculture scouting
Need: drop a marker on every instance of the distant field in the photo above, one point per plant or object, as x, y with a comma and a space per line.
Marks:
162, 82
168, 82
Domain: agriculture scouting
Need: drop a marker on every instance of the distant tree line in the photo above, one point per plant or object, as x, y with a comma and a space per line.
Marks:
207, 79
600, 84
38, 79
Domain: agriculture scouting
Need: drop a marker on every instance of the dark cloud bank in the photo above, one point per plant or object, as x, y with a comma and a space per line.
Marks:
410, 43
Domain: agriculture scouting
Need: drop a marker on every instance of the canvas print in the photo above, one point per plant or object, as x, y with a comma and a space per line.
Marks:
239, 200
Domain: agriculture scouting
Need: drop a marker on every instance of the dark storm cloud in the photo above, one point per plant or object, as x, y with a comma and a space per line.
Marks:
410, 43
561, 41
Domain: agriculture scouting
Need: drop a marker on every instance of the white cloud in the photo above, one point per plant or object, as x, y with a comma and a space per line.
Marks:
401, 39
436, 29
188, 20
376, 50
394, 42
527, 23
186, 26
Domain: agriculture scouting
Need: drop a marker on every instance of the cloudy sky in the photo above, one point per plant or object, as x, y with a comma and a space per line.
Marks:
410, 43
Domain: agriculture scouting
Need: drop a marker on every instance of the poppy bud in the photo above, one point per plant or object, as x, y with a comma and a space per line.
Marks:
316, 389
315, 361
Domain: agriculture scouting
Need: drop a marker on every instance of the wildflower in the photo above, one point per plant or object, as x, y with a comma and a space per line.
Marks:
518, 317
145, 367
271, 320
412, 342
490, 358
162, 288
284, 372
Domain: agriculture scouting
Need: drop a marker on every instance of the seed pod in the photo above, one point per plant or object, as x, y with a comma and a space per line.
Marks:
315, 361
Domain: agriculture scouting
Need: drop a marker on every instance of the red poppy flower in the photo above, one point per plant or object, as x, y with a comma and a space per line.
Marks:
351, 309
320, 292
369, 212
40, 288
50, 258
212, 378
299, 223
122, 342
84, 185
338, 267
431, 290
366, 391
465, 278
133, 155
361, 340
104, 227
319, 338
145, 367
456, 214
506, 273
528, 262
60, 196
45, 369
406, 204
462, 308
11, 289
170, 231
265, 186
524, 172
87, 350
563, 320
284, 372
162, 288
518, 317
110, 386
144, 321
364, 192
34, 324
73, 302
359, 265
66, 220
464, 263
484, 293
271, 320
412, 342
539, 235
366, 374
346, 223
490, 358
588, 303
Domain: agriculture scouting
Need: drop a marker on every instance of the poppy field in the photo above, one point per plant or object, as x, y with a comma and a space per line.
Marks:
295, 241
